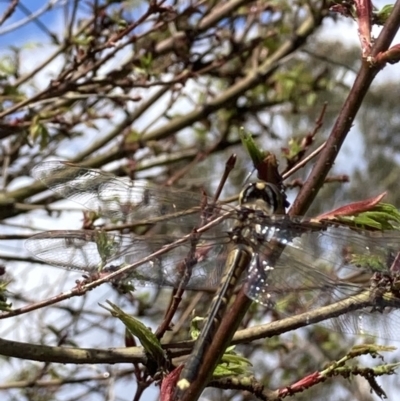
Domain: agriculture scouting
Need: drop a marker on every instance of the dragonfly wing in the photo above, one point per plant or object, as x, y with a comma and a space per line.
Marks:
198, 269
368, 322
83, 250
120, 198
320, 268
196, 265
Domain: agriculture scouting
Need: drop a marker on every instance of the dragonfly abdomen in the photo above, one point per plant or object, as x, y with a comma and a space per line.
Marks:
239, 257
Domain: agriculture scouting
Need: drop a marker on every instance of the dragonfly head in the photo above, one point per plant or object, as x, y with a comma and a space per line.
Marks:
263, 196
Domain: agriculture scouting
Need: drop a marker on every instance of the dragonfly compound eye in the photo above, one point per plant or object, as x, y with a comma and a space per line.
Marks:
261, 196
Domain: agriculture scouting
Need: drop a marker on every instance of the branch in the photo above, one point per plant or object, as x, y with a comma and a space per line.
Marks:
346, 118
45, 353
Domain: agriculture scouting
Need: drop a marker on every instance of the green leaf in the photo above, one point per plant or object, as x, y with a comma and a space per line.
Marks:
149, 341
383, 14
232, 364
38, 132
294, 148
83, 40
8, 66
4, 305
256, 155
12, 91
194, 327
106, 246
383, 216
371, 349
146, 61
373, 262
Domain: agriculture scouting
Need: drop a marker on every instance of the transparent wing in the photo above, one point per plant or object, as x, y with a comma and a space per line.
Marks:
320, 268
121, 199
171, 213
95, 251
368, 322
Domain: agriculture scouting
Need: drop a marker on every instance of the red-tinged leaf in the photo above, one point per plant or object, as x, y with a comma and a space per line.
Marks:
168, 384
307, 381
302, 384
352, 208
364, 15
391, 56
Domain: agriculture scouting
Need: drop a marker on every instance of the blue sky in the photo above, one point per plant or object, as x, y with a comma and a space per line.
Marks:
49, 18
30, 29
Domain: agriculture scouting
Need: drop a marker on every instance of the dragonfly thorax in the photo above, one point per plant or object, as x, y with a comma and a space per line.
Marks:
262, 196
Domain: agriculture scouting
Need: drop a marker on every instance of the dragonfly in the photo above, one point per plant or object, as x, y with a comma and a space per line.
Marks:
167, 237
